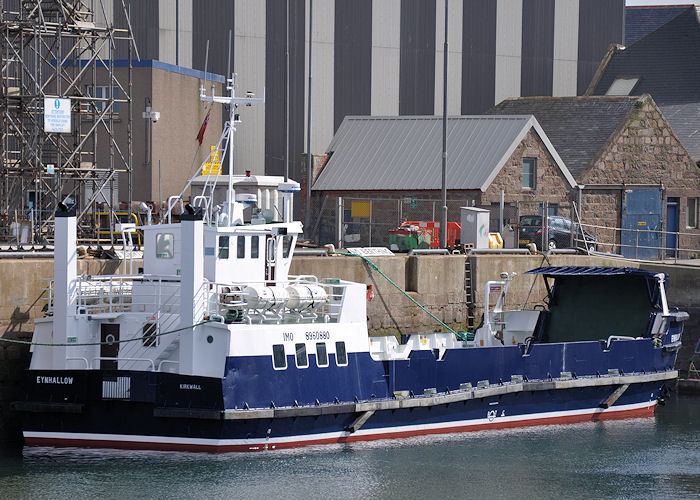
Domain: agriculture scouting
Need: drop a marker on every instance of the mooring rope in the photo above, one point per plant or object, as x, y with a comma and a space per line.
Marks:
135, 339
464, 336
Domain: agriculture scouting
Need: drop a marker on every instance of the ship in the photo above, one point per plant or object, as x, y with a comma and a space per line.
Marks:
213, 346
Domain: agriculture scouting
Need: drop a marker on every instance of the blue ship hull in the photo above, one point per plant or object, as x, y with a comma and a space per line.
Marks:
255, 407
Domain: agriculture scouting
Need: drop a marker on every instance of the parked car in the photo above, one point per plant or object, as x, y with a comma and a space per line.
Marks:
559, 233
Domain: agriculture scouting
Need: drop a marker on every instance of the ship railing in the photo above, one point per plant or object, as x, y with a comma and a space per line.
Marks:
115, 294
613, 338
162, 316
122, 358
237, 302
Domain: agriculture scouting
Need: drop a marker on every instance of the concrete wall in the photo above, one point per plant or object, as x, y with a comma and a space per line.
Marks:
683, 292
176, 96
22, 297
437, 282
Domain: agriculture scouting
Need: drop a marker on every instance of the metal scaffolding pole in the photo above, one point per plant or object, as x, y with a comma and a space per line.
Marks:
50, 50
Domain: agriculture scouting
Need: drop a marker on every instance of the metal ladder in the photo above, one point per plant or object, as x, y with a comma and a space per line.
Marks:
469, 292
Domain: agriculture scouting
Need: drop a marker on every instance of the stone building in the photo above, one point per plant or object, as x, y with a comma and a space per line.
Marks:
382, 170
664, 63
637, 184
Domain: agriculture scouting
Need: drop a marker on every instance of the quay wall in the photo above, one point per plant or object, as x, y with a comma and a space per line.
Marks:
22, 297
436, 282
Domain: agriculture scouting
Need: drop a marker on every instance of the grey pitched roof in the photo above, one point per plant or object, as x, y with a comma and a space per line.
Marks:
667, 63
577, 126
405, 152
642, 20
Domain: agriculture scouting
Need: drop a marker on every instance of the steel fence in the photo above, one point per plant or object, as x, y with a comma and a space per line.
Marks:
356, 221
366, 222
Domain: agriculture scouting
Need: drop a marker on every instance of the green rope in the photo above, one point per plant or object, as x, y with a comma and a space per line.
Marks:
137, 339
464, 336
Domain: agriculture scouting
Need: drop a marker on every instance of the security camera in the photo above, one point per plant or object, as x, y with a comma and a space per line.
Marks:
155, 116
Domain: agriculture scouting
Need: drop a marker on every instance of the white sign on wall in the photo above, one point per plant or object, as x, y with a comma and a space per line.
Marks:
57, 115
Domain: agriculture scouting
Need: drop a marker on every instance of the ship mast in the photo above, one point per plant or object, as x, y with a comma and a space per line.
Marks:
232, 101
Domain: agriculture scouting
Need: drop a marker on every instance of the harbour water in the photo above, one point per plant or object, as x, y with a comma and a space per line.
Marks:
641, 458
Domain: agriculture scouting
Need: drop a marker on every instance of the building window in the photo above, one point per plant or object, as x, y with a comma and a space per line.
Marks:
223, 247
691, 215
321, 354
302, 358
529, 173
622, 86
254, 247
240, 247
279, 360
164, 245
102, 92
341, 356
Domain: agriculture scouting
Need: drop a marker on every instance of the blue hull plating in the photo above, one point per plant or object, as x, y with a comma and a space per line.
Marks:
93, 420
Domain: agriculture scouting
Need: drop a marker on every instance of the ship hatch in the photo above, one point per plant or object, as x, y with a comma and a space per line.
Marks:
109, 337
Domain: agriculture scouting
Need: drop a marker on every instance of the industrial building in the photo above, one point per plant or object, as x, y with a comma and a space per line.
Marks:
374, 58
361, 58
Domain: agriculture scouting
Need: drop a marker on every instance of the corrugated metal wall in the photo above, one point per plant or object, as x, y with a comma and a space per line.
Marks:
417, 66
537, 48
601, 22
478, 55
352, 59
379, 57
275, 86
215, 29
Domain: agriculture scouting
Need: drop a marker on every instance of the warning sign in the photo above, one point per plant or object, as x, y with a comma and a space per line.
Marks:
57, 115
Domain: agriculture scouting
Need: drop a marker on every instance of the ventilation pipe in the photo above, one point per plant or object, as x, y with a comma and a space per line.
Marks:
288, 189
191, 280
65, 268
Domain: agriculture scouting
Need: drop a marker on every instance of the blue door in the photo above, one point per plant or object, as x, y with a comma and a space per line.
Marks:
671, 225
641, 223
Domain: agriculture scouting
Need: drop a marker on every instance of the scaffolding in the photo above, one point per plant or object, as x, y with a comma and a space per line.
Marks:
63, 49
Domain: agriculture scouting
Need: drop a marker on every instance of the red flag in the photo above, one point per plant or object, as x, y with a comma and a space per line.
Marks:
200, 135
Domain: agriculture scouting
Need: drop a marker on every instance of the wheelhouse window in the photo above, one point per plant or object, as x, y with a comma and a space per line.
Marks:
691, 214
279, 360
286, 245
165, 244
254, 247
302, 358
321, 354
240, 250
341, 356
271, 250
529, 173
223, 247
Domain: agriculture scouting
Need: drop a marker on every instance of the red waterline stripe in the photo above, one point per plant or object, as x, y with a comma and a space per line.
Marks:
140, 445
